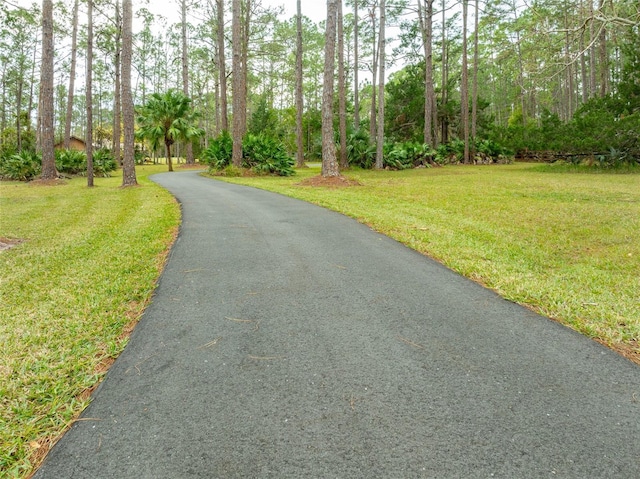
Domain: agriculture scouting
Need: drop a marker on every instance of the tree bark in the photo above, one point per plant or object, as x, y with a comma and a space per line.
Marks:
238, 87
445, 74
356, 66
374, 72
464, 87
224, 113
46, 94
382, 59
185, 76
72, 76
474, 87
128, 159
89, 94
117, 91
329, 163
342, 93
425, 15
299, 82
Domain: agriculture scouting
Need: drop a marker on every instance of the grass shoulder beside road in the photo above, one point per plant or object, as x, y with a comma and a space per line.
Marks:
70, 292
565, 245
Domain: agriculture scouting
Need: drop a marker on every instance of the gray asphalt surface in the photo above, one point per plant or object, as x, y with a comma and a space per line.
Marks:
288, 341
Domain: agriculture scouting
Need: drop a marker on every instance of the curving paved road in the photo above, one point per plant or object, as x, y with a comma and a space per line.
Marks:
287, 341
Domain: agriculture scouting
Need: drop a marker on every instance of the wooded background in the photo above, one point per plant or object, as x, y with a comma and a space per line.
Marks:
558, 75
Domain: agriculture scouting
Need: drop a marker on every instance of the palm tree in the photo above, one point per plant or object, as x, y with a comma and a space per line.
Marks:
167, 117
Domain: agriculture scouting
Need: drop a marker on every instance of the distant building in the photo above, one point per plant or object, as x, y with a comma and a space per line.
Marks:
75, 143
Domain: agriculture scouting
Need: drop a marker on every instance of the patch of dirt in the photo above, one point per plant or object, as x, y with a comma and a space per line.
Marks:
6, 243
329, 182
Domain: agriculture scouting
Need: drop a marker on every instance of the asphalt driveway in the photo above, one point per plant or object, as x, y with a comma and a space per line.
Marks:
288, 341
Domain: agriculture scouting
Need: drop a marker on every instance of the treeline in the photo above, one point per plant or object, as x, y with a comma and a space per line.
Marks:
502, 75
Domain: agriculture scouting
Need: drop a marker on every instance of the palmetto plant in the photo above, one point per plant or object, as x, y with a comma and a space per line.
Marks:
167, 118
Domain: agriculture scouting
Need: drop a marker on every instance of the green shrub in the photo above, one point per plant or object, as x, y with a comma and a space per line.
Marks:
360, 151
266, 155
103, 162
20, 166
262, 154
71, 162
218, 154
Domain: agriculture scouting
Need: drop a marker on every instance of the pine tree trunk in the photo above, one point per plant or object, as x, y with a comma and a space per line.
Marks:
583, 61
604, 59
224, 114
373, 129
342, 92
89, 93
46, 94
464, 87
356, 66
238, 88
474, 88
425, 14
128, 159
299, 83
117, 91
593, 67
72, 77
185, 77
329, 162
445, 73
382, 59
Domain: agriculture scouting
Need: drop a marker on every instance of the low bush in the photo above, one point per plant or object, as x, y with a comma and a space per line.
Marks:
22, 166
262, 154
103, 163
218, 154
360, 151
71, 162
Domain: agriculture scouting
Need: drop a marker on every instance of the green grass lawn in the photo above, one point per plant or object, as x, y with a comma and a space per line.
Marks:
565, 245
69, 293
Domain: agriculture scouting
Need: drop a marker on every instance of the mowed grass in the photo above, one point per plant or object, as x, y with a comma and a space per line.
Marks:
565, 245
69, 294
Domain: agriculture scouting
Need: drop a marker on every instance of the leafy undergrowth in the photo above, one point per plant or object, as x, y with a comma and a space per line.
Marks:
84, 269
564, 245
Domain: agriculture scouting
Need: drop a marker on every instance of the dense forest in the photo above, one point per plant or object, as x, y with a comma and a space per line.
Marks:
411, 81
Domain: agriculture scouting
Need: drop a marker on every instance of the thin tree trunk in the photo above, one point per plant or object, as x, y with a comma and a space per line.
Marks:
245, 63
425, 14
474, 88
46, 94
374, 72
19, 99
224, 114
238, 88
299, 82
381, 48
445, 70
117, 91
89, 94
33, 80
342, 93
464, 87
329, 163
604, 59
72, 77
593, 67
128, 159
185, 77
356, 66
583, 63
